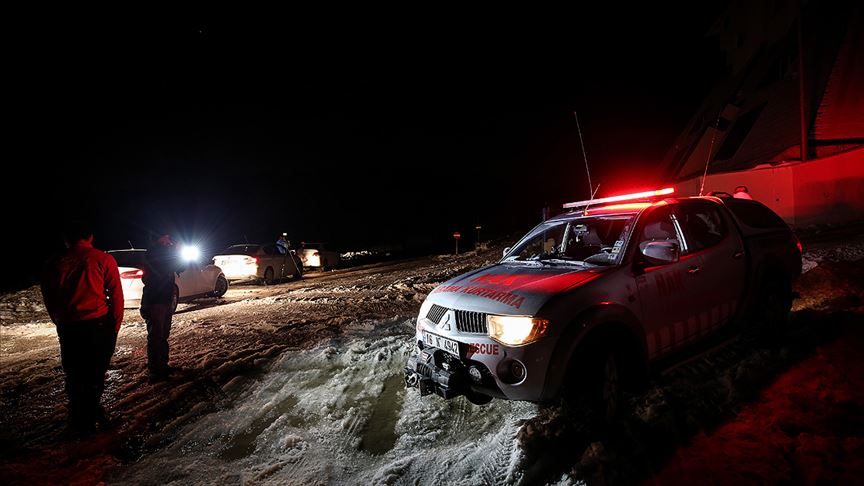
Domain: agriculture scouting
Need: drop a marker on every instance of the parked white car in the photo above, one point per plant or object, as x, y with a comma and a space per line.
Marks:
195, 281
250, 261
316, 255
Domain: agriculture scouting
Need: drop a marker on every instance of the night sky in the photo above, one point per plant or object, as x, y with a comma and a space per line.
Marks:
362, 128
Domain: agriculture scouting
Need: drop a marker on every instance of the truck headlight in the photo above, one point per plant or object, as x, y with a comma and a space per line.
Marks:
515, 330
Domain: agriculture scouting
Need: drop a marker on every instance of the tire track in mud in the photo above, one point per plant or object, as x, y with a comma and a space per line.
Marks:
505, 453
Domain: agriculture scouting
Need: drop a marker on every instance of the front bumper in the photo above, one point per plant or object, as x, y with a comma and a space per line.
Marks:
433, 370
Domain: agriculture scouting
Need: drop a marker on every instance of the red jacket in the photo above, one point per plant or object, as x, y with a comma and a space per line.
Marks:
78, 284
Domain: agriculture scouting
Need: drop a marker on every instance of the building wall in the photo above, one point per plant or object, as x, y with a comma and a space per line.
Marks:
819, 191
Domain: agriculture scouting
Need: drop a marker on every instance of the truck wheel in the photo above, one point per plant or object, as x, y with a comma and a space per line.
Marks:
268, 276
221, 286
773, 308
596, 383
607, 390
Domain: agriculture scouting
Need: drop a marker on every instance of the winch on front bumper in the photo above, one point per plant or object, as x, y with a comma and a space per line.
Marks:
433, 370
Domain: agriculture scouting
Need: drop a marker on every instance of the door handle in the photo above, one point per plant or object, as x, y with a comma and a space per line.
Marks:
738, 254
693, 270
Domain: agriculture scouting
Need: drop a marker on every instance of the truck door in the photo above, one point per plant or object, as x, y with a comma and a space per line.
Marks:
720, 276
665, 291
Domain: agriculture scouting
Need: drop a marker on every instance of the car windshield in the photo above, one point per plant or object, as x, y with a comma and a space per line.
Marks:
128, 258
242, 249
595, 240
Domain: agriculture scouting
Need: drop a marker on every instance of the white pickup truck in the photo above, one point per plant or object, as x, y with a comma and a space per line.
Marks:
591, 300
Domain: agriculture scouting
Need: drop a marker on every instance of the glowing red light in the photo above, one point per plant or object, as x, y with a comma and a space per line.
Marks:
624, 197
619, 207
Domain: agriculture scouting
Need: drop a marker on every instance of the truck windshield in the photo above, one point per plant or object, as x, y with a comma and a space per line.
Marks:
594, 240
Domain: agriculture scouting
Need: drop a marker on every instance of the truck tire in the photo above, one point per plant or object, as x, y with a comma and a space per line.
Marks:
595, 383
772, 309
604, 394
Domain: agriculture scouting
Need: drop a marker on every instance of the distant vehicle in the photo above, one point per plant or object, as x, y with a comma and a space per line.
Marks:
316, 255
592, 300
195, 281
252, 261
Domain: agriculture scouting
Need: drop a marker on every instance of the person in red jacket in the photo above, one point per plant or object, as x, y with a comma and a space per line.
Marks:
83, 295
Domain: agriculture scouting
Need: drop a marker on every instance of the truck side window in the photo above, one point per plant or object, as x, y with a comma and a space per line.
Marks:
658, 227
703, 226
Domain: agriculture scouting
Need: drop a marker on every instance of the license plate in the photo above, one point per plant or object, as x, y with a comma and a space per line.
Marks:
439, 342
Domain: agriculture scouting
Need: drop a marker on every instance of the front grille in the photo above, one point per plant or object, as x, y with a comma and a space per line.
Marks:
436, 313
473, 322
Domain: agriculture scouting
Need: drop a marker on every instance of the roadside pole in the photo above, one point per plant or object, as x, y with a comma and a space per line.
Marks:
456, 237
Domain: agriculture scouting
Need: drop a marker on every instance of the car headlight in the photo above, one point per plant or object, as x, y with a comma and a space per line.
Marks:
515, 330
190, 253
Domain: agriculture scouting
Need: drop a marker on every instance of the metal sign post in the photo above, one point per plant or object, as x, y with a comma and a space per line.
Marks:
478, 236
456, 237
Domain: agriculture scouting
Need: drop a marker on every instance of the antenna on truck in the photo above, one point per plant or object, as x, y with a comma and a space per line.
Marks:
591, 190
708, 159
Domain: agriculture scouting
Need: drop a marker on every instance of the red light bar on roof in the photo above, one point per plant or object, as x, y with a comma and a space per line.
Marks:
623, 197
618, 207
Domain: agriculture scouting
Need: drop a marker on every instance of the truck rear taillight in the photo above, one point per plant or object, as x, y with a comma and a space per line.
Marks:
132, 274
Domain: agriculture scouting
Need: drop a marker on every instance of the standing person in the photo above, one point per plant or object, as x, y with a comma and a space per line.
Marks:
83, 295
741, 192
283, 245
157, 303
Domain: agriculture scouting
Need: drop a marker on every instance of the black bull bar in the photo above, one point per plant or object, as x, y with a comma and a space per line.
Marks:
433, 371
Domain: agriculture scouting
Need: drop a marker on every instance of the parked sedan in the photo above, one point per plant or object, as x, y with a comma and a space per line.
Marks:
195, 281
316, 255
258, 262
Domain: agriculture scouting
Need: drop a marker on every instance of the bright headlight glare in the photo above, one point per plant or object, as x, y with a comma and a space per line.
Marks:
190, 253
514, 330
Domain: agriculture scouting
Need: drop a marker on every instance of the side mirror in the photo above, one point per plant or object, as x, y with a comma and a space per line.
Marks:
661, 252
506, 250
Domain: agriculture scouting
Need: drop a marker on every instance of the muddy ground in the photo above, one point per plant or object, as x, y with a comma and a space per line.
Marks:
299, 382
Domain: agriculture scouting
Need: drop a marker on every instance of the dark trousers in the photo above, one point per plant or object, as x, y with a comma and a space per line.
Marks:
85, 352
158, 318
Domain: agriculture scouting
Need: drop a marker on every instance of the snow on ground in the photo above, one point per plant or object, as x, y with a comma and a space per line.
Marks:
221, 344
340, 414
851, 251
301, 383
